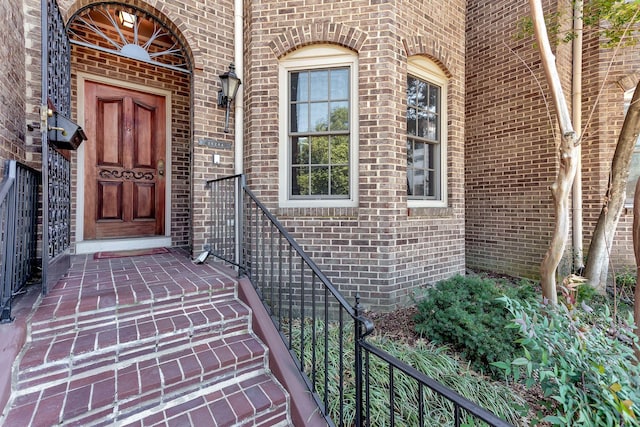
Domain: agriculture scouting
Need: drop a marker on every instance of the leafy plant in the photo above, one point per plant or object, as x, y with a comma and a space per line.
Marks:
464, 312
587, 368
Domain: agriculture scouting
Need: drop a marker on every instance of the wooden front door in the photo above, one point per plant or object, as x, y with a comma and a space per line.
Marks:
124, 191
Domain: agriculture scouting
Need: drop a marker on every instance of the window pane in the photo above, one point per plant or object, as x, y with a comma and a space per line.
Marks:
423, 94
299, 86
299, 117
419, 151
412, 94
319, 85
412, 117
340, 84
418, 182
430, 184
340, 181
320, 180
299, 150
320, 150
319, 117
634, 173
339, 115
340, 150
434, 95
300, 181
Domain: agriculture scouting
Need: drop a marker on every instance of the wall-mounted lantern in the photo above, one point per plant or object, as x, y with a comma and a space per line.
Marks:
127, 20
226, 95
63, 133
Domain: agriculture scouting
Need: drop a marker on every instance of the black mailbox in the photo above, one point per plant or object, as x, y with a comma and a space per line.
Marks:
63, 133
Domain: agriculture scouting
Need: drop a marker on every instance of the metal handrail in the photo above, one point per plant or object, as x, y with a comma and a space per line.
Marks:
18, 218
302, 302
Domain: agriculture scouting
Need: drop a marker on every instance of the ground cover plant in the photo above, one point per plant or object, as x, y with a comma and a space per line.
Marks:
582, 358
435, 362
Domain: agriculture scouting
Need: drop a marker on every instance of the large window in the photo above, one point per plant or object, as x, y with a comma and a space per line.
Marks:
318, 143
634, 168
426, 134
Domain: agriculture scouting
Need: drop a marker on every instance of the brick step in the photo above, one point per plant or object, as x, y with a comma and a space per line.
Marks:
135, 309
122, 340
252, 399
123, 389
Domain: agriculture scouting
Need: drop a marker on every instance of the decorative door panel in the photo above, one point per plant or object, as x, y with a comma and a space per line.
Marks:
124, 163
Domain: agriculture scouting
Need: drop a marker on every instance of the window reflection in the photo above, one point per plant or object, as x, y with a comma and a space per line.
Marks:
423, 139
319, 132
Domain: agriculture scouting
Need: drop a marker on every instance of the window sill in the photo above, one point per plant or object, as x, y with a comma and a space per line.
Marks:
430, 212
318, 212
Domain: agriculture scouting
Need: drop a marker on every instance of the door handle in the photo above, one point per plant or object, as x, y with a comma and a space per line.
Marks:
161, 167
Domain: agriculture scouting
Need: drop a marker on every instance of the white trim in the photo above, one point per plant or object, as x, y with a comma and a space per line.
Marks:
93, 246
80, 242
317, 56
425, 69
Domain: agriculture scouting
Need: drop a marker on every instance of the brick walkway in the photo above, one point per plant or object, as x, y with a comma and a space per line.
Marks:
143, 341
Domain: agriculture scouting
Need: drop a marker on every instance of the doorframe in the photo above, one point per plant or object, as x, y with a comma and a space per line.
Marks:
90, 246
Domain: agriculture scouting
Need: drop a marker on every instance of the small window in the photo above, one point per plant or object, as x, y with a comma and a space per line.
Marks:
634, 168
318, 144
426, 134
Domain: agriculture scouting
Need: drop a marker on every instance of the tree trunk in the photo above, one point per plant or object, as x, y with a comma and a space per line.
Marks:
636, 251
561, 188
598, 257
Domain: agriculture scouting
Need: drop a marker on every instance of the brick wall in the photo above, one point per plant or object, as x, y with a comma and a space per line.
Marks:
378, 248
510, 144
12, 83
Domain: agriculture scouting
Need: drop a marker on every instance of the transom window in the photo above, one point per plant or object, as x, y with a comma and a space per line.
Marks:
426, 135
318, 129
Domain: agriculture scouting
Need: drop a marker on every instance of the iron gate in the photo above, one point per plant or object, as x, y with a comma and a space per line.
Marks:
56, 168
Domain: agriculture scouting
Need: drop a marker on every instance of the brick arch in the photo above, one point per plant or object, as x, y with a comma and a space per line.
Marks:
167, 17
628, 81
323, 32
432, 49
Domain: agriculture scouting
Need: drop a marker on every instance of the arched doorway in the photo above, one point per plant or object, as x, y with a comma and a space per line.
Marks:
131, 75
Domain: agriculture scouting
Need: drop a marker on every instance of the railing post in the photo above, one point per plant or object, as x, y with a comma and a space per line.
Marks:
9, 243
358, 362
239, 221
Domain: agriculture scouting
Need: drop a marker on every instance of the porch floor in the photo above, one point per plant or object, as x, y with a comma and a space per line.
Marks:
143, 341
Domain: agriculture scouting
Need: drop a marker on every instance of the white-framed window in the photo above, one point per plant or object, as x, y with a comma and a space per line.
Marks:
426, 134
634, 168
318, 127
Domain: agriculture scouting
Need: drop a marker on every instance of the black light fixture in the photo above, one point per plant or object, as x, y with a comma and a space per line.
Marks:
230, 84
126, 19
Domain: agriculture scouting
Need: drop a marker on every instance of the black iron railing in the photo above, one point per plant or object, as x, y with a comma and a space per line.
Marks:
18, 220
325, 335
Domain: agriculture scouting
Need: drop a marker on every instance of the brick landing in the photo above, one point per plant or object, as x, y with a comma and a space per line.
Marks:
143, 341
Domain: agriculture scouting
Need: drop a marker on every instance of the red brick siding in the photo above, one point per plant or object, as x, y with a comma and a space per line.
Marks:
375, 249
12, 83
510, 156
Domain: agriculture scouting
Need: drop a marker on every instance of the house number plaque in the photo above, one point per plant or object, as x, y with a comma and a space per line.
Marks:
212, 143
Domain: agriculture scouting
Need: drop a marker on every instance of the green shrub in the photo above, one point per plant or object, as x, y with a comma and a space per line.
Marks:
584, 363
465, 313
